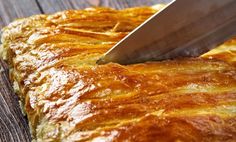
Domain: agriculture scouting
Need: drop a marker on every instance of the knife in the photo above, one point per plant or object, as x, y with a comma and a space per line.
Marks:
184, 28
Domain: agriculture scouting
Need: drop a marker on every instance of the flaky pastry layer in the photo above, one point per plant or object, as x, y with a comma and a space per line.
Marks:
67, 97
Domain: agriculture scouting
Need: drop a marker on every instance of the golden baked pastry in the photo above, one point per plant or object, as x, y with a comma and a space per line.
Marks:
67, 97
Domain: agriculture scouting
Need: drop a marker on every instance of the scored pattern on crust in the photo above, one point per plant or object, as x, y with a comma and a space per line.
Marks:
67, 97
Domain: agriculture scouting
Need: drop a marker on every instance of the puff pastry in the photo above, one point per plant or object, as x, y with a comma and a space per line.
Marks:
67, 97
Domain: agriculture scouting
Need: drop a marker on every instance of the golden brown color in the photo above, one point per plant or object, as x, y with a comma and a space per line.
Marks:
67, 97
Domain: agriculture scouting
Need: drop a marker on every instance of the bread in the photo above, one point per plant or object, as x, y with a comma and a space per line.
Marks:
67, 97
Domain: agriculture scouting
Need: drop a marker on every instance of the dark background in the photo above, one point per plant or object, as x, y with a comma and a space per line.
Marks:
13, 125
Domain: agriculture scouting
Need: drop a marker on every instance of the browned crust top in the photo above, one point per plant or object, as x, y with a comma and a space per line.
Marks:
68, 97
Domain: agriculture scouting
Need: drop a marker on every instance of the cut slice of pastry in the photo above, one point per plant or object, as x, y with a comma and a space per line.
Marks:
67, 97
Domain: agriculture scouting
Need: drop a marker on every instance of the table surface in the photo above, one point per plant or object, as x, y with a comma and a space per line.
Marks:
13, 125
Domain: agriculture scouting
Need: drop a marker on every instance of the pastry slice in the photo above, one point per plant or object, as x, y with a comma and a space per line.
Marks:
67, 97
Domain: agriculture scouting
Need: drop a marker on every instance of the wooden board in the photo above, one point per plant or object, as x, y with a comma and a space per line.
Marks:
13, 125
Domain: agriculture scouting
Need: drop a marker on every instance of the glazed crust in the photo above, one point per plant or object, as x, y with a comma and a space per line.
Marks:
67, 97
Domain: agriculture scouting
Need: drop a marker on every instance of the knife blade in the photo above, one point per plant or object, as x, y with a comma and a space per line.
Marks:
184, 28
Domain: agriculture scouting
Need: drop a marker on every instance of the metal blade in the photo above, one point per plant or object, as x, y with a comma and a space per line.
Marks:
184, 28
